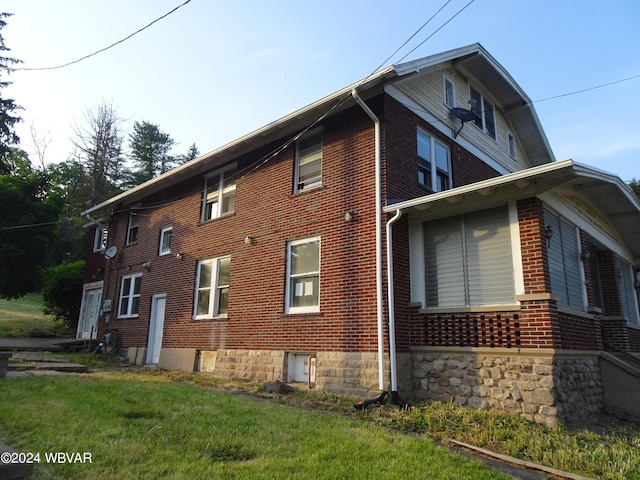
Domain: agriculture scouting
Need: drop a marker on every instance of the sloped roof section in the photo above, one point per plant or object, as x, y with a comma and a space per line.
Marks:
474, 59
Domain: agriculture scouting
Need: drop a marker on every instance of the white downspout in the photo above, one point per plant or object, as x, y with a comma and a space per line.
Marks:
378, 181
392, 316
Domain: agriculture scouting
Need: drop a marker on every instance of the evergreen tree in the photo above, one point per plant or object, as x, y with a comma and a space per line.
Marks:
150, 149
8, 118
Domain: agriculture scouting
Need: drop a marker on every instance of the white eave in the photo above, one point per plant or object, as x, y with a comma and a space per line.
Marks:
606, 191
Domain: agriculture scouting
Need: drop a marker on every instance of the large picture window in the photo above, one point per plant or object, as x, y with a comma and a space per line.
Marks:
468, 260
565, 268
130, 296
303, 276
219, 195
433, 163
308, 166
212, 292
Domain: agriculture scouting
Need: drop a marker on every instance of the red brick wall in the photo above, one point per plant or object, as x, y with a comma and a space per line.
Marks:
267, 209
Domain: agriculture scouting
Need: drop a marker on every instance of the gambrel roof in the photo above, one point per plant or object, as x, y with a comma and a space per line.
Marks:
473, 60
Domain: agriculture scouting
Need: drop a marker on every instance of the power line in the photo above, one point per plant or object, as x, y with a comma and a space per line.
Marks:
102, 49
16, 227
586, 89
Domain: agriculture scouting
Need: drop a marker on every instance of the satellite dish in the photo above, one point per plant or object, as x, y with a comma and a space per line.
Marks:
111, 252
463, 115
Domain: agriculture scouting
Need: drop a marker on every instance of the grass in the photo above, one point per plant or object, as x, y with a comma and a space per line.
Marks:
23, 316
139, 425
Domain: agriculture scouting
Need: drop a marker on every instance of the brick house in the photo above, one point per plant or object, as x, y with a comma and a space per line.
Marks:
411, 232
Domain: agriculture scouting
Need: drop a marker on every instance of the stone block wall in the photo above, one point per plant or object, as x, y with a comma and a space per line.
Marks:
544, 386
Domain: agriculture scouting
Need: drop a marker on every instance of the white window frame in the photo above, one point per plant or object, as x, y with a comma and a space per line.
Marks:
133, 228
469, 277
448, 91
217, 197
511, 145
130, 295
100, 238
433, 164
291, 290
303, 158
165, 240
214, 285
482, 112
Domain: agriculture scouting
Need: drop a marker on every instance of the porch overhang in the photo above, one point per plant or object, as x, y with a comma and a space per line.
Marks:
616, 201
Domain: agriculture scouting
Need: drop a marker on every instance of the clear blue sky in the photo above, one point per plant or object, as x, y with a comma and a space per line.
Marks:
214, 71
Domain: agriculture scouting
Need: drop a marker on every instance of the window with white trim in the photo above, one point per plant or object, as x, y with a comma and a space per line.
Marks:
219, 195
465, 260
433, 162
212, 288
308, 162
130, 296
565, 268
303, 276
485, 112
628, 294
100, 238
165, 240
132, 228
449, 91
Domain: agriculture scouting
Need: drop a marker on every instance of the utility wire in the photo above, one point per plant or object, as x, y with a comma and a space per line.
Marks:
102, 49
16, 227
586, 89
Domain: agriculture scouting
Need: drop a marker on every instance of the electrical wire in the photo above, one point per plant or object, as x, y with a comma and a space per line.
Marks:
587, 89
98, 51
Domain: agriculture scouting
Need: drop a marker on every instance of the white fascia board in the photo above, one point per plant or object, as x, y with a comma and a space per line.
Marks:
484, 184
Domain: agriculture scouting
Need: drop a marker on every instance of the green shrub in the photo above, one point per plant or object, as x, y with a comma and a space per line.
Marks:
62, 292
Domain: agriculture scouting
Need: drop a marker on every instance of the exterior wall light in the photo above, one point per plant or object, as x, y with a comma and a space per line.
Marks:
249, 239
147, 266
179, 255
548, 233
585, 254
349, 216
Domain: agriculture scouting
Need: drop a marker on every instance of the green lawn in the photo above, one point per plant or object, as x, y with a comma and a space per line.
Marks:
147, 426
23, 316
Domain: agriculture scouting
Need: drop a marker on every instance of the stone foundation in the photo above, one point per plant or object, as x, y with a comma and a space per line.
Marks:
545, 386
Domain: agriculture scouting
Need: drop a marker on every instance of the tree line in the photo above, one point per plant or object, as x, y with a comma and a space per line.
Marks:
40, 224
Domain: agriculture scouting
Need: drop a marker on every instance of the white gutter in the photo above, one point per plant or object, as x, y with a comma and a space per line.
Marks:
390, 301
378, 181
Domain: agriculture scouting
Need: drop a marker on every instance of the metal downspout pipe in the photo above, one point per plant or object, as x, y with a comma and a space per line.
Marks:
378, 182
390, 293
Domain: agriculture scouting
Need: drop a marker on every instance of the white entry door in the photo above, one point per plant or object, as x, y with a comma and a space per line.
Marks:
89, 311
156, 327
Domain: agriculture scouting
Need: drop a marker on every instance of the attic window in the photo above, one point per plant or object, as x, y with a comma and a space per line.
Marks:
511, 144
485, 115
449, 92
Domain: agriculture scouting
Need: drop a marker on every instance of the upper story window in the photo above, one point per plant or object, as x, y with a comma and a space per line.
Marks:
485, 112
100, 238
511, 144
303, 276
219, 195
132, 229
434, 166
165, 240
308, 168
468, 260
565, 269
212, 292
130, 296
449, 92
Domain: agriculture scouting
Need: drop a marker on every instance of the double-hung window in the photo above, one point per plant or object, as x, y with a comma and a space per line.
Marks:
165, 240
212, 292
468, 260
132, 229
308, 168
303, 276
433, 163
628, 295
563, 249
485, 113
449, 92
219, 195
130, 296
